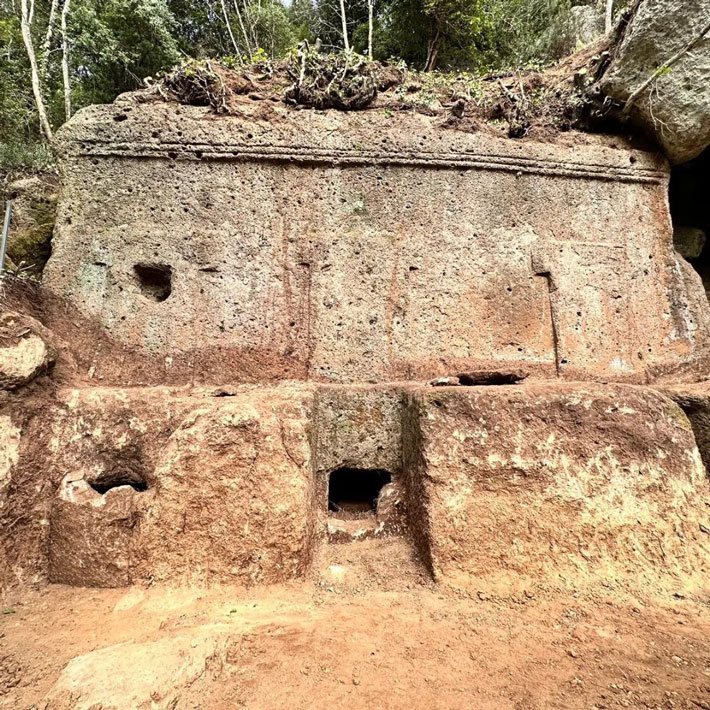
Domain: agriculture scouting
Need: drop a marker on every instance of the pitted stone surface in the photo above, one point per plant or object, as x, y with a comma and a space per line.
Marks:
567, 482
348, 247
674, 108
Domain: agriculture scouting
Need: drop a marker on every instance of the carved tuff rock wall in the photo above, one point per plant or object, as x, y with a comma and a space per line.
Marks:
506, 486
346, 250
339, 247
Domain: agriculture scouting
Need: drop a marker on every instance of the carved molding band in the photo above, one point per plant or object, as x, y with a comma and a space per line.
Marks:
308, 154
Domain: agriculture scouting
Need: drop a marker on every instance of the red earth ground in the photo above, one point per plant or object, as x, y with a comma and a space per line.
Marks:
368, 631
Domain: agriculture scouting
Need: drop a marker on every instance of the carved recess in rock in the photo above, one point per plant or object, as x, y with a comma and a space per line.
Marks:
172, 487
91, 532
323, 246
552, 483
357, 449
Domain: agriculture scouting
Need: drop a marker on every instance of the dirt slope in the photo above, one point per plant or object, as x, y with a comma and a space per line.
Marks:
352, 638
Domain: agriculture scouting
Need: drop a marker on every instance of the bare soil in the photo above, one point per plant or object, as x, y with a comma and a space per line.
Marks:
370, 631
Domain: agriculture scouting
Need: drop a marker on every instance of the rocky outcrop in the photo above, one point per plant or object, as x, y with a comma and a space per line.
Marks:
34, 202
24, 352
587, 23
558, 483
674, 107
688, 241
169, 488
566, 482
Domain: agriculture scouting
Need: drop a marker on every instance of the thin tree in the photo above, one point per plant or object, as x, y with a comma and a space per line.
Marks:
370, 4
48, 38
36, 88
244, 30
65, 61
345, 26
432, 53
229, 29
609, 16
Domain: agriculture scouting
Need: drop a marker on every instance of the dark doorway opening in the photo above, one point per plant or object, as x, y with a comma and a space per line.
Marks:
113, 479
353, 492
690, 211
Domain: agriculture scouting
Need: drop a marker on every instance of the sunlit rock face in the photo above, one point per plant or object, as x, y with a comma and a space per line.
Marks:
362, 247
289, 329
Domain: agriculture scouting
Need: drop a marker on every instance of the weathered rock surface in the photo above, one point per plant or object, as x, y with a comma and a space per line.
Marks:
331, 247
133, 676
24, 353
34, 202
560, 483
587, 23
565, 483
91, 533
199, 488
675, 107
694, 400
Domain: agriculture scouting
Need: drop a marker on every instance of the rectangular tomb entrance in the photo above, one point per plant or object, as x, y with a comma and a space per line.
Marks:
363, 503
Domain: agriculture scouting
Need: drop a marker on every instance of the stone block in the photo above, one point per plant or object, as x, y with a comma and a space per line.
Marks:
565, 484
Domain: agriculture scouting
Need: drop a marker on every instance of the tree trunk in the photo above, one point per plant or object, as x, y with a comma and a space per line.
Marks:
370, 4
345, 26
65, 62
229, 29
609, 16
433, 51
36, 89
244, 30
48, 38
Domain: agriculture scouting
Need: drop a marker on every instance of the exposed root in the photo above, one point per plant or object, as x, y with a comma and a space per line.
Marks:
343, 81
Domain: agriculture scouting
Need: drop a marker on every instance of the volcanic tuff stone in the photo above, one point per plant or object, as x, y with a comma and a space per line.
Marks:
689, 241
675, 107
333, 247
24, 354
558, 482
493, 479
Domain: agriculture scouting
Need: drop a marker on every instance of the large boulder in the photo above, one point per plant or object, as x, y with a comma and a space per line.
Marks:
675, 107
587, 23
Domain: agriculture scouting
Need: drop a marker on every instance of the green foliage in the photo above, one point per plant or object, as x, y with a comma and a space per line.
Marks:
16, 156
272, 29
116, 44
483, 35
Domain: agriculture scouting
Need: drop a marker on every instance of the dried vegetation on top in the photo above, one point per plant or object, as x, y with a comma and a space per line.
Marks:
518, 104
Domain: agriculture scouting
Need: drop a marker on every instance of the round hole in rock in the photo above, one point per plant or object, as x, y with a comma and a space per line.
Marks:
114, 479
353, 492
155, 280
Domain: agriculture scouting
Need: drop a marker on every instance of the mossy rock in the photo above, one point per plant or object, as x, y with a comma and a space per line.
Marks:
34, 212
